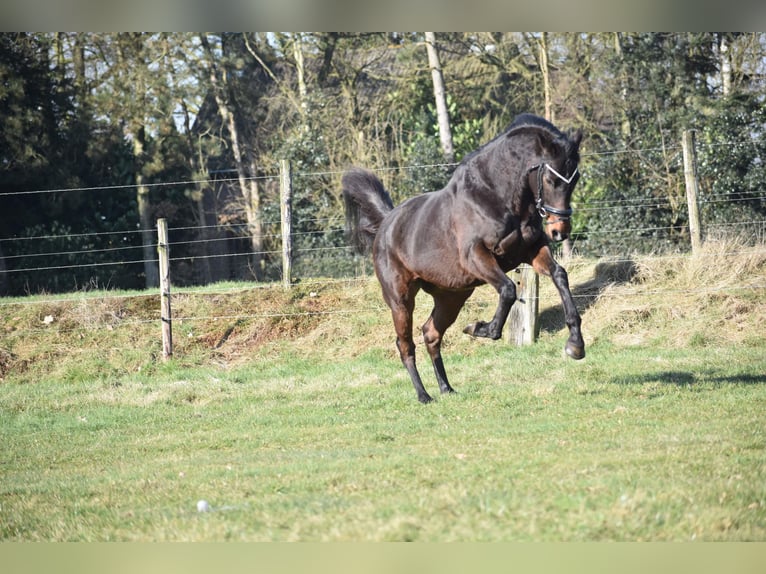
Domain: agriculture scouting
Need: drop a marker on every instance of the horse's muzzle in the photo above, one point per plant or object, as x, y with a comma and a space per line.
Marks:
558, 230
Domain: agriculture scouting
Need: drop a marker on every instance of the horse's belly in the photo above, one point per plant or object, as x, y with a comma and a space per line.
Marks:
448, 274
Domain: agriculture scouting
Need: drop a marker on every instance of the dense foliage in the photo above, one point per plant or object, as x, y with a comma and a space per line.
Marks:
102, 133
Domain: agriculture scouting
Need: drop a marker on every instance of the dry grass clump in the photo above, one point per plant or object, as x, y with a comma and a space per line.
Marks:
723, 264
312, 318
713, 297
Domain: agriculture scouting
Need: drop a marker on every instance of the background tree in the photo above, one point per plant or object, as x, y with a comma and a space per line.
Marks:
440, 97
226, 69
103, 133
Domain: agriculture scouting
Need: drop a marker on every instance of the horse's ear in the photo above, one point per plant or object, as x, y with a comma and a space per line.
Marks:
576, 138
540, 139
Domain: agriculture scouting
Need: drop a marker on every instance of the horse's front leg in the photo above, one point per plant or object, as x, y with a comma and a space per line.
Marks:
545, 264
494, 329
483, 265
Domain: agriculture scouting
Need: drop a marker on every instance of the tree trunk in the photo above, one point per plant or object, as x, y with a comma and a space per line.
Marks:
445, 133
625, 127
198, 167
725, 56
566, 245
248, 185
151, 271
546, 77
131, 61
300, 70
78, 61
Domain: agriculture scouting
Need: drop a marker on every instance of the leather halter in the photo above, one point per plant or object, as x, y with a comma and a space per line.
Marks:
543, 208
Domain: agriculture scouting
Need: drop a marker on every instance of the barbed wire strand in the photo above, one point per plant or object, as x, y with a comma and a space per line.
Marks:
598, 205
323, 282
345, 248
207, 181
320, 232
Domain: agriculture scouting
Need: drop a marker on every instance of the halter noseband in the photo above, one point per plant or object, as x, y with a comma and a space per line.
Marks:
543, 208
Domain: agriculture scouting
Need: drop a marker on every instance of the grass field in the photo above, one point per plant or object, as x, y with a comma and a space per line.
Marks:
294, 419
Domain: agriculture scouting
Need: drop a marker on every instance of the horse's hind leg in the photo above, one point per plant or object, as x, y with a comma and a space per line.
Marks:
406, 346
447, 306
401, 312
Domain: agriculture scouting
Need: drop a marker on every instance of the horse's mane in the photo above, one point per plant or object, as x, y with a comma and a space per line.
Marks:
558, 140
527, 120
555, 134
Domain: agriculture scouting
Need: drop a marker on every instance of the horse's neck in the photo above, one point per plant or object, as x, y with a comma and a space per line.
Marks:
507, 180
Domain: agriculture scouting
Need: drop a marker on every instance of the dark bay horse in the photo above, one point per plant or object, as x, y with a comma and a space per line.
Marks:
501, 207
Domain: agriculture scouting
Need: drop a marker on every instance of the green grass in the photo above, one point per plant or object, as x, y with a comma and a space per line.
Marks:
533, 447
306, 427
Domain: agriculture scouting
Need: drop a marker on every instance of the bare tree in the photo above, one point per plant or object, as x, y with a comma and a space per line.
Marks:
132, 64
445, 133
724, 54
545, 71
245, 164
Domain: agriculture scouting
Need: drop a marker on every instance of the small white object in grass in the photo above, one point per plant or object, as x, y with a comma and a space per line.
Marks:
203, 506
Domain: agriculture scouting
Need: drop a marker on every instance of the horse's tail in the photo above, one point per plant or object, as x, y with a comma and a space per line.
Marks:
367, 203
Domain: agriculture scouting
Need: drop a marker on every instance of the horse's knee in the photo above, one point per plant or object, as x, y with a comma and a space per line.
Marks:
507, 293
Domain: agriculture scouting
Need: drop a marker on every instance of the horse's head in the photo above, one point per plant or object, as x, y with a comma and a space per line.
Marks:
555, 178
553, 175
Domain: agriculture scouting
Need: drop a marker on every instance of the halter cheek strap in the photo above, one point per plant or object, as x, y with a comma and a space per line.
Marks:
542, 208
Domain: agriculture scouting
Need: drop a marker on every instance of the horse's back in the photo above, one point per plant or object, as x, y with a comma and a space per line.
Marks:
415, 224
419, 239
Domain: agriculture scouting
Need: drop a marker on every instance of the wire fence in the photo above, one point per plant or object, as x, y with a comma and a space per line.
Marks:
103, 309
132, 254
321, 254
51, 312
674, 149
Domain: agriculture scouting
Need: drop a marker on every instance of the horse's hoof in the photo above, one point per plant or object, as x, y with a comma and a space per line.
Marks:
425, 398
481, 329
576, 352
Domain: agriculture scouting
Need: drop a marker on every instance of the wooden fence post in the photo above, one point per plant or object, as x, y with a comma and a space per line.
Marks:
163, 249
690, 177
286, 208
523, 321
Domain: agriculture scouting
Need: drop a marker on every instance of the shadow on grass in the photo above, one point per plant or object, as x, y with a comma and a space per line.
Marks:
684, 378
585, 294
740, 379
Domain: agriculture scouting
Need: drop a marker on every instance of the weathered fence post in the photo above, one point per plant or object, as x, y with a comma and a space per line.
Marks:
690, 176
163, 249
286, 208
523, 321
